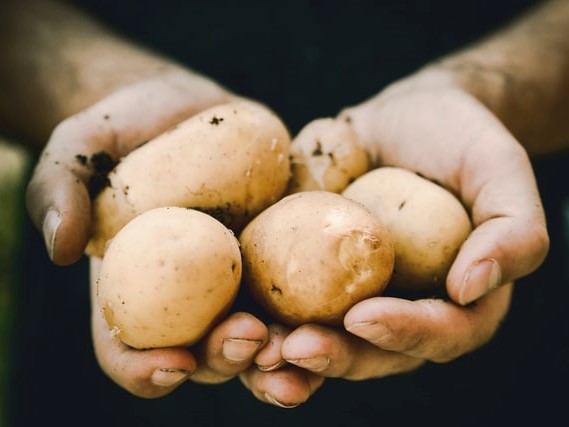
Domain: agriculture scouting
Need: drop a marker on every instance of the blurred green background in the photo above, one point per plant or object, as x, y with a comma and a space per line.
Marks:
13, 171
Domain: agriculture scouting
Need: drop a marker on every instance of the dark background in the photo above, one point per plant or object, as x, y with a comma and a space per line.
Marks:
306, 59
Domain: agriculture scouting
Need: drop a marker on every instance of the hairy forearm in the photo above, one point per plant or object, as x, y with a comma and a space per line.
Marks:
56, 61
522, 74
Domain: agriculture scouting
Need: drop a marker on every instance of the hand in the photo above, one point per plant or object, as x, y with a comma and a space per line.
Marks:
426, 124
58, 196
239, 345
225, 352
429, 125
58, 201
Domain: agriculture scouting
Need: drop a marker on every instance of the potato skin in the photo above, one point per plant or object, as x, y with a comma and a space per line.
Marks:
427, 224
230, 161
311, 256
326, 155
167, 277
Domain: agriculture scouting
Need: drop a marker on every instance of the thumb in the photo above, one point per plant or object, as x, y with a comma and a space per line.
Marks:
59, 205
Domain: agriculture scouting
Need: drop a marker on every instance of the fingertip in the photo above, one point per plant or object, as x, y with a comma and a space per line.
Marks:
61, 210
50, 225
169, 377
479, 278
70, 238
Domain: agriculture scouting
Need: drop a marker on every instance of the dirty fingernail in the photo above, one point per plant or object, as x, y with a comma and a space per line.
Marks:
169, 377
374, 332
480, 278
239, 350
51, 223
275, 402
316, 364
273, 367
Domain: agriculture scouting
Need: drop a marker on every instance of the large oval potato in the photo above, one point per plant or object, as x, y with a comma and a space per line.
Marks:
312, 255
230, 161
167, 277
326, 155
427, 224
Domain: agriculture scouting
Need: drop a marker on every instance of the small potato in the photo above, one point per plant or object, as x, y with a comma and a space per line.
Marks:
167, 277
230, 161
426, 222
326, 155
311, 256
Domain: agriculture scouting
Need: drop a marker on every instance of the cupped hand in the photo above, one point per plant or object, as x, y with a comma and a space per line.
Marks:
428, 124
240, 345
224, 353
83, 148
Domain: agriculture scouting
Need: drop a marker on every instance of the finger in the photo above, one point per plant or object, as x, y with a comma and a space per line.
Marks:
270, 357
229, 348
286, 387
72, 168
334, 353
510, 238
432, 329
147, 373
59, 205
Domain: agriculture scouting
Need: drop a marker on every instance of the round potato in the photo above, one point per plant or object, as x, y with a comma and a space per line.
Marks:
167, 277
230, 161
311, 256
326, 155
427, 224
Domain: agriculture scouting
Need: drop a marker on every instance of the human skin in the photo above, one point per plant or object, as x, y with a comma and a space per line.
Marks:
463, 113
460, 107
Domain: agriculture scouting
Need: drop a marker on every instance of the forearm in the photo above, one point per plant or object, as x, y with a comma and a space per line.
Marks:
522, 74
56, 61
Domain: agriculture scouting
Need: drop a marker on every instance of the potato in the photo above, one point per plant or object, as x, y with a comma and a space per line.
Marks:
426, 222
167, 277
312, 255
326, 155
230, 161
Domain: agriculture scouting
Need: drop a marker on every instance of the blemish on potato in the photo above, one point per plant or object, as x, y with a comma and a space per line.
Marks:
318, 150
216, 120
276, 290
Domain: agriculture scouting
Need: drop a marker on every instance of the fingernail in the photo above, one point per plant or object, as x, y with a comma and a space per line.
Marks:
480, 278
274, 367
239, 350
275, 402
374, 332
169, 377
315, 364
50, 225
